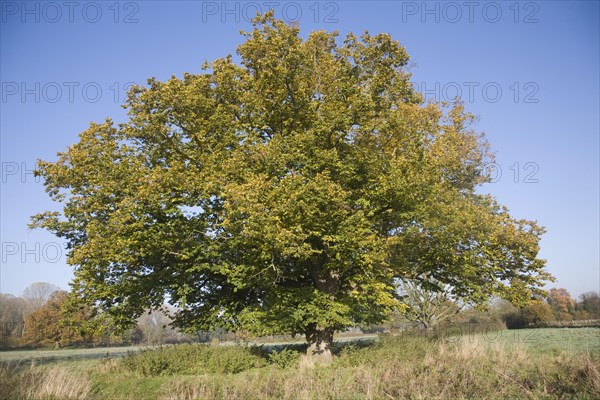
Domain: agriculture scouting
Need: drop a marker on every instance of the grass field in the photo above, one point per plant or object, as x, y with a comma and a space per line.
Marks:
547, 363
543, 340
50, 355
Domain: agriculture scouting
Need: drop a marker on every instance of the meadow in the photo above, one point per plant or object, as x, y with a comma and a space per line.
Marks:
551, 363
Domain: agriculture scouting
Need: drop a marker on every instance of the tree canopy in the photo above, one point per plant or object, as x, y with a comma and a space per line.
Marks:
50, 323
38, 293
285, 192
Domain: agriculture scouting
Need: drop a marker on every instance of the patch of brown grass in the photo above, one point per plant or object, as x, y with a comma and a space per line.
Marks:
32, 382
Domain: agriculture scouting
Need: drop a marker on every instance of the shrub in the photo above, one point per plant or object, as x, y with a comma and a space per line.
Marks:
192, 359
285, 358
387, 349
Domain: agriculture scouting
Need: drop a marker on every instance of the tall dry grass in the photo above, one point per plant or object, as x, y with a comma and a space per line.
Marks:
34, 382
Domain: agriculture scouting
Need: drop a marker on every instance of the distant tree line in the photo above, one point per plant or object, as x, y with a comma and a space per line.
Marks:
45, 316
557, 309
430, 306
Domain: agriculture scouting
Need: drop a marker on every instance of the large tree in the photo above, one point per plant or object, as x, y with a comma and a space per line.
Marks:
285, 193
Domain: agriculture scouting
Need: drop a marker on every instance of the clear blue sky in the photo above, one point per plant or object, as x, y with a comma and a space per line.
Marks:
530, 71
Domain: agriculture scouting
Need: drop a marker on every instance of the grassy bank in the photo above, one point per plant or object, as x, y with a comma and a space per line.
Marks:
546, 363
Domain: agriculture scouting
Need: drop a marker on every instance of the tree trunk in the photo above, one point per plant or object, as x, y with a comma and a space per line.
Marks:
320, 339
319, 344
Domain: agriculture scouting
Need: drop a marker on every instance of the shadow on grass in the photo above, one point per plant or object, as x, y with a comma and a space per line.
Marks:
264, 350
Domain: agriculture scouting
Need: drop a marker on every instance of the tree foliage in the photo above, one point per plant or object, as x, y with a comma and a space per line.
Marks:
562, 304
285, 193
534, 314
589, 304
54, 323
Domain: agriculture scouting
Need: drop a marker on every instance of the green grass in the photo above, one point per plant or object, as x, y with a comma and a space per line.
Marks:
48, 355
535, 364
545, 339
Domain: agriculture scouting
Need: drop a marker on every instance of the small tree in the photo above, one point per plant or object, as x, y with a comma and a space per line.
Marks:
428, 302
156, 327
12, 316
